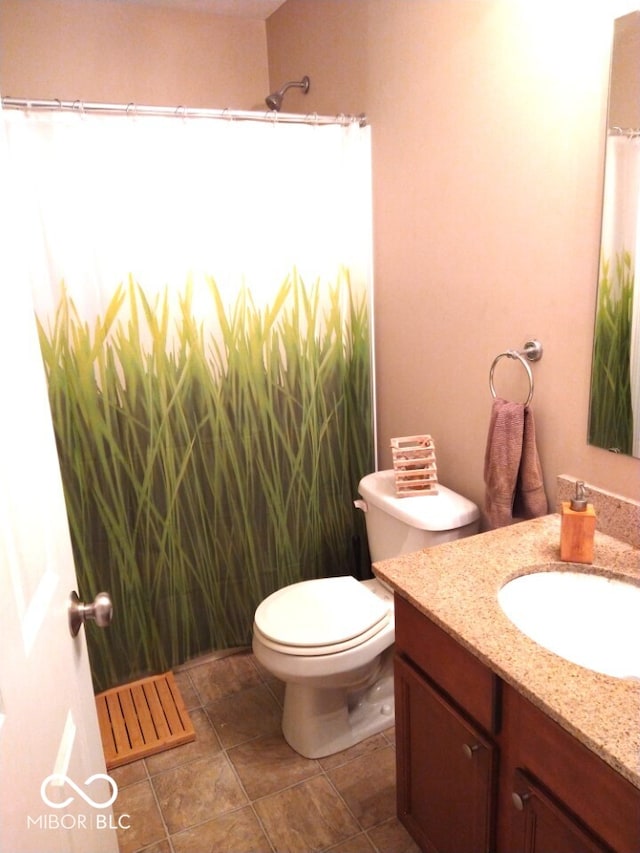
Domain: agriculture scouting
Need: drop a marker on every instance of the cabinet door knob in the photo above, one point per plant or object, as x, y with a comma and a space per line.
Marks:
519, 800
470, 750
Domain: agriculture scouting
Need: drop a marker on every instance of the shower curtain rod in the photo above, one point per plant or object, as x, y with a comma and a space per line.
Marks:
182, 112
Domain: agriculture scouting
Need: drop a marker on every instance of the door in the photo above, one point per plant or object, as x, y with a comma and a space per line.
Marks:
49, 738
446, 770
541, 825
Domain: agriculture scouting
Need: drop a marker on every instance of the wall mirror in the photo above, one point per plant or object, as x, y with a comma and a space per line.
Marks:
614, 411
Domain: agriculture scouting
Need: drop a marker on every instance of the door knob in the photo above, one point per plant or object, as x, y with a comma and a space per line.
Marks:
101, 611
520, 800
470, 750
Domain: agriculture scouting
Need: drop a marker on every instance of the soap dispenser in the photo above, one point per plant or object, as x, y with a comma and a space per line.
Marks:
577, 526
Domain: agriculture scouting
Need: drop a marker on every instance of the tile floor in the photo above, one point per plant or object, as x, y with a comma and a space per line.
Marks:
239, 787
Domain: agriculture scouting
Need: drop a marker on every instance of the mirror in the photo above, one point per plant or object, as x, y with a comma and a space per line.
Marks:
614, 411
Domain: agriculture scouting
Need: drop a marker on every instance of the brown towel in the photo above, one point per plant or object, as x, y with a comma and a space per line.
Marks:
512, 473
530, 499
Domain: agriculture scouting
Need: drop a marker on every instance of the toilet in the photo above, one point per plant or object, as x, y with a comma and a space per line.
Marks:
330, 640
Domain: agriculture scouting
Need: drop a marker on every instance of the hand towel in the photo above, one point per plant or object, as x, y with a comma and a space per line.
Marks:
512, 472
502, 461
530, 498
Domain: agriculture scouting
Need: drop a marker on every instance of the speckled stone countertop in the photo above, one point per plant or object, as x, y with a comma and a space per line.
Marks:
456, 586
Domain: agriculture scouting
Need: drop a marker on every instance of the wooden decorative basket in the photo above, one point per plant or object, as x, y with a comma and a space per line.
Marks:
414, 465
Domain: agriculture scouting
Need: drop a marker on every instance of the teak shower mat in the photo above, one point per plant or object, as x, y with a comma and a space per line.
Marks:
142, 718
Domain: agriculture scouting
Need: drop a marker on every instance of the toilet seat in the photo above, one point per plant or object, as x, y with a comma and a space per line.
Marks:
319, 617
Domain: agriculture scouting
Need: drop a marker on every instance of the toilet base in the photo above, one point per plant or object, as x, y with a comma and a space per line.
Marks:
322, 721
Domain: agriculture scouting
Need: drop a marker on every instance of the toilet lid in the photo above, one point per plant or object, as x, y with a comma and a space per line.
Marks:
320, 612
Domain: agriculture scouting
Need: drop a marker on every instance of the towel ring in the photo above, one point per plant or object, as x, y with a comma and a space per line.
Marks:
512, 354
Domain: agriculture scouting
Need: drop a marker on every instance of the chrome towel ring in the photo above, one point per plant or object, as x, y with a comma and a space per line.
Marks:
532, 352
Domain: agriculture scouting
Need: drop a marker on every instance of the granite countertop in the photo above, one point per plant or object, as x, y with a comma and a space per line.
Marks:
456, 586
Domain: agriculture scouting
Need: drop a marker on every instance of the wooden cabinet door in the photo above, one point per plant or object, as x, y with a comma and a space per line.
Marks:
541, 825
567, 784
446, 770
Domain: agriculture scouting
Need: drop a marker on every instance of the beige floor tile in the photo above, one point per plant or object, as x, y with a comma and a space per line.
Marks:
237, 832
358, 844
187, 690
277, 688
159, 847
145, 825
306, 818
367, 785
392, 836
264, 673
206, 742
343, 803
268, 764
195, 792
245, 715
129, 773
224, 677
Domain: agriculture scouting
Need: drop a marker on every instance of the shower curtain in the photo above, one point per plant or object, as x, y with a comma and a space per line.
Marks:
202, 291
615, 390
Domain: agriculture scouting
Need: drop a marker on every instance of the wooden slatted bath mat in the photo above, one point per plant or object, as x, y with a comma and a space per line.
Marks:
142, 718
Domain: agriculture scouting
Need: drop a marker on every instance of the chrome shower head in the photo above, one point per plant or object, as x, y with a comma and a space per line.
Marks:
274, 100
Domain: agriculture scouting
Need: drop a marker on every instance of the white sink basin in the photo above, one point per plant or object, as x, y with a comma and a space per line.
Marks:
589, 619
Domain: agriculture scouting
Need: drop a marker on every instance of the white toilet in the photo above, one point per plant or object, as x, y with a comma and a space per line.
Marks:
331, 639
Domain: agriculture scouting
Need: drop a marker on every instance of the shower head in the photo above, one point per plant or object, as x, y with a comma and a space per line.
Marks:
274, 100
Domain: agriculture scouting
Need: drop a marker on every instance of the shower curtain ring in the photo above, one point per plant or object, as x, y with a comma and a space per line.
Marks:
131, 106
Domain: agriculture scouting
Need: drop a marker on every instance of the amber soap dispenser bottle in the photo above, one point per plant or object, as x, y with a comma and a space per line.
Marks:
577, 526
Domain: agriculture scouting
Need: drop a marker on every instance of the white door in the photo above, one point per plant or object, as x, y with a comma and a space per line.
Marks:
49, 738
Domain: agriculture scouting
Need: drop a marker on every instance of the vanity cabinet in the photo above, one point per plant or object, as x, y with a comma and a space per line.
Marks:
480, 768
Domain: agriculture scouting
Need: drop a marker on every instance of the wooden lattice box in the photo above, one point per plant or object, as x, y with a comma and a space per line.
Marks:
414, 465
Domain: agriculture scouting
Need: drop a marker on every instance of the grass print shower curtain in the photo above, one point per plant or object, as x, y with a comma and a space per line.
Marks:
202, 295
614, 416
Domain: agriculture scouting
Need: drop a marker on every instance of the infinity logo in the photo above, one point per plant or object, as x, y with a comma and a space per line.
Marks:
58, 779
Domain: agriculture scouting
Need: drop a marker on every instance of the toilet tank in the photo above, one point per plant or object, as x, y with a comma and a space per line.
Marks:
399, 525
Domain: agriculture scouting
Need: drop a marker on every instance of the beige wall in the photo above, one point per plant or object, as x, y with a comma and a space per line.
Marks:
105, 51
624, 105
488, 125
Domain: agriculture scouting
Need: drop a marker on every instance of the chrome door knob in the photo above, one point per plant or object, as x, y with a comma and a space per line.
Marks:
101, 611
